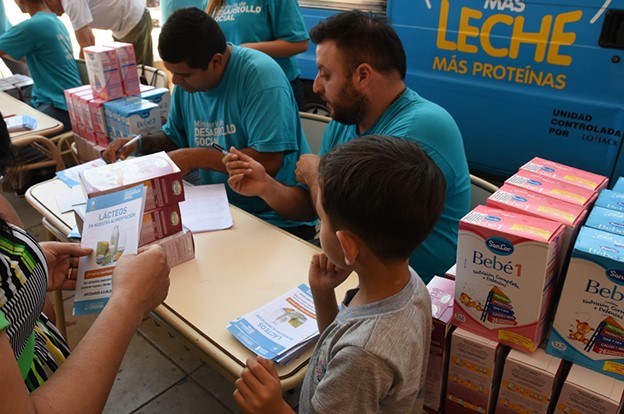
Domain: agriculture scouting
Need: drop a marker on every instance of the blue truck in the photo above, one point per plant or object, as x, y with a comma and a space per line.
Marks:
521, 78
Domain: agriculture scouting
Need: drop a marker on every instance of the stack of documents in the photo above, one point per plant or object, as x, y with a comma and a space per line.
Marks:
282, 329
18, 123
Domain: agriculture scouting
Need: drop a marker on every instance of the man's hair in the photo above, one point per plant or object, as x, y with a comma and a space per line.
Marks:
385, 190
190, 36
363, 38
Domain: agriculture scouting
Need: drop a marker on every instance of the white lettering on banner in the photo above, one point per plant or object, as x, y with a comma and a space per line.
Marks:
206, 132
229, 12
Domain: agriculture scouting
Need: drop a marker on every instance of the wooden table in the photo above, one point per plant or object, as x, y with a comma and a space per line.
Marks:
234, 272
46, 125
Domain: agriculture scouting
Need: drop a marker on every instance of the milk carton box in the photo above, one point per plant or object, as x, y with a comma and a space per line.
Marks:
566, 173
69, 100
619, 185
611, 199
130, 116
103, 71
588, 326
96, 112
553, 188
127, 67
588, 392
530, 383
441, 291
506, 271
157, 172
475, 368
521, 200
606, 220
162, 98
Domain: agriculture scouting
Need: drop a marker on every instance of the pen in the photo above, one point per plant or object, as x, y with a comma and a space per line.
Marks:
219, 148
127, 144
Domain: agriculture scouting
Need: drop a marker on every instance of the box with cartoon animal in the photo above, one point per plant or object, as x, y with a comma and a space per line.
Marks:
507, 265
588, 326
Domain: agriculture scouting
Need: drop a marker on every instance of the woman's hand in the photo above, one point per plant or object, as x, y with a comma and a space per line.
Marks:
62, 259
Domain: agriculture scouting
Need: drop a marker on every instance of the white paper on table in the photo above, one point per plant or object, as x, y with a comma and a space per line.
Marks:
67, 200
71, 176
205, 208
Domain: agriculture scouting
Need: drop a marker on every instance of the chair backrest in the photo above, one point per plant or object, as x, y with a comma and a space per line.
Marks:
314, 127
149, 75
480, 190
82, 71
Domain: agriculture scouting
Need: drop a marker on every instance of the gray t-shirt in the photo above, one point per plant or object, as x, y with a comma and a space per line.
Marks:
372, 358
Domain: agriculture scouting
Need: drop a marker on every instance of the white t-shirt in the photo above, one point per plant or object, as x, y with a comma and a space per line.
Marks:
119, 16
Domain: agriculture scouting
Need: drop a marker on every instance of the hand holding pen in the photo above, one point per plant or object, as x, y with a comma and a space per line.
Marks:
219, 148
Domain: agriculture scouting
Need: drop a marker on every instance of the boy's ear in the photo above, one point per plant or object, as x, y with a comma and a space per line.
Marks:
349, 246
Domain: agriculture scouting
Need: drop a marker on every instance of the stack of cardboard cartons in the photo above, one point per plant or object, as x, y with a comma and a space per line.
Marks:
509, 258
162, 222
113, 105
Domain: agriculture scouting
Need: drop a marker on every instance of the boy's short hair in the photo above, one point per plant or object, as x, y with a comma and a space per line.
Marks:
190, 36
385, 190
363, 38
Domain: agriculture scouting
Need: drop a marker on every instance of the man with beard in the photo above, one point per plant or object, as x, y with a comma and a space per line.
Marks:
361, 67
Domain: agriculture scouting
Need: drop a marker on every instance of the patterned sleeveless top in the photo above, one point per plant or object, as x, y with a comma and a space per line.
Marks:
38, 346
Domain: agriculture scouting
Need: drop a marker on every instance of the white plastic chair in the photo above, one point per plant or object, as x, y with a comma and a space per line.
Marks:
150, 75
480, 190
313, 127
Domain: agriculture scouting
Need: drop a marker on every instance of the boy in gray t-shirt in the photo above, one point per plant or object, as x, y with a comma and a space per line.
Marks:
379, 197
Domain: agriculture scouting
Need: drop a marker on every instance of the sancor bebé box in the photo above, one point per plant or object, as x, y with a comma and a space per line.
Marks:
553, 188
611, 199
103, 70
507, 265
157, 172
566, 173
588, 328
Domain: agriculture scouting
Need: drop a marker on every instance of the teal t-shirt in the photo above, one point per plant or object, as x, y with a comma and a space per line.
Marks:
264, 20
167, 7
252, 107
44, 41
4, 21
416, 119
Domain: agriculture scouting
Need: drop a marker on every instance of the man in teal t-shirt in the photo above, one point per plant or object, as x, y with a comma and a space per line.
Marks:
44, 41
230, 96
362, 83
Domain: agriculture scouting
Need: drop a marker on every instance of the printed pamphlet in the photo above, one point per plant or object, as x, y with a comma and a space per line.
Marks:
112, 225
280, 330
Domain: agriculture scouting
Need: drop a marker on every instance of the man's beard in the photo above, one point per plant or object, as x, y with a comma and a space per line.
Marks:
350, 107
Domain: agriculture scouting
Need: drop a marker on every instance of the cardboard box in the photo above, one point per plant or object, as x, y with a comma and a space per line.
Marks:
475, 368
158, 172
507, 265
530, 383
588, 328
606, 220
611, 199
441, 291
126, 61
103, 70
162, 98
553, 188
566, 174
588, 392
450, 274
618, 187
130, 116
521, 200
159, 223
179, 247
86, 150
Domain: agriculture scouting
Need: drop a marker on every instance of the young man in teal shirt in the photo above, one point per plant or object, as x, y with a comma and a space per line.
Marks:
362, 84
44, 41
231, 96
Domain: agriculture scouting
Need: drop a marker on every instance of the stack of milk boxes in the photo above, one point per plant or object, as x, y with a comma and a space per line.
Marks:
115, 104
506, 281
162, 222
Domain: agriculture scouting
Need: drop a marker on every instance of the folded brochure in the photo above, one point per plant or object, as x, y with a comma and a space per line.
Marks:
112, 224
280, 330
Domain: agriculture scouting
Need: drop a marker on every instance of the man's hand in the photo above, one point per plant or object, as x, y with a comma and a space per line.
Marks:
258, 390
323, 275
307, 169
142, 280
62, 259
114, 151
247, 176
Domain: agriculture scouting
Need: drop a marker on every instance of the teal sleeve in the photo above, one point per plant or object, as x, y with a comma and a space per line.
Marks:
4, 323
